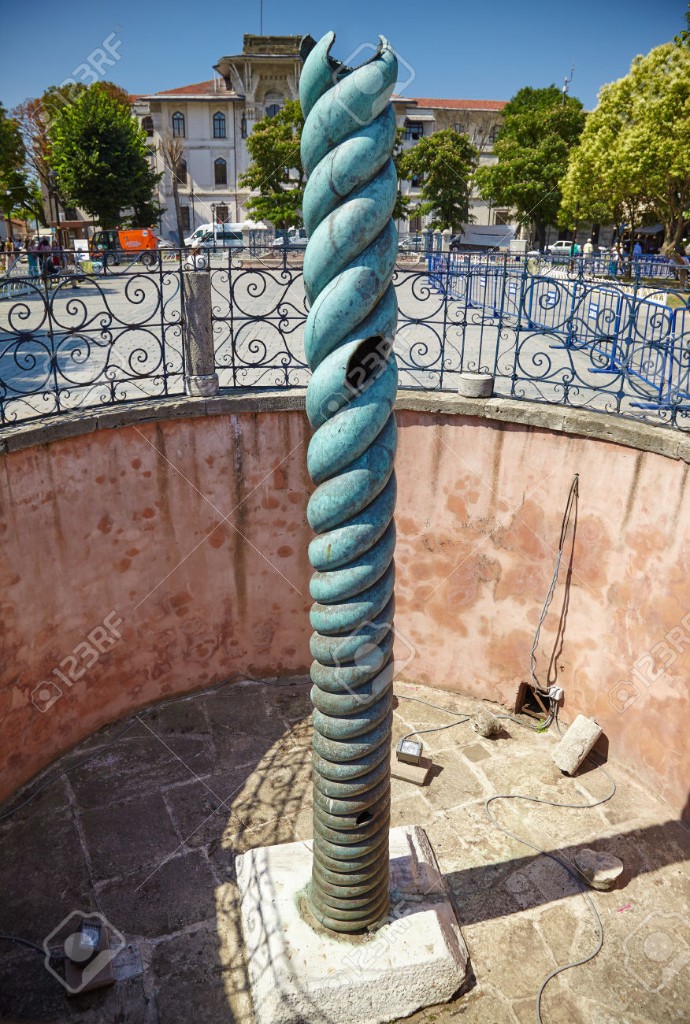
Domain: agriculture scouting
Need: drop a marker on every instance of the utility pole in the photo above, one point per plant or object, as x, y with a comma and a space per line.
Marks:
566, 82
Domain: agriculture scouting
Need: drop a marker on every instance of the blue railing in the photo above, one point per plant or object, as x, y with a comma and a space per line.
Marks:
576, 339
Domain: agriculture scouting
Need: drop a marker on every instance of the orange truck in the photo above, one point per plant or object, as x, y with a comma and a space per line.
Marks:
113, 245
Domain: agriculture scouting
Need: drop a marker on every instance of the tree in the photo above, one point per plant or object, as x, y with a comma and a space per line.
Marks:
602, 184
35, 117
101, 157
172, 151
444, 163
15, 188
276, 171
637, 142
539, 128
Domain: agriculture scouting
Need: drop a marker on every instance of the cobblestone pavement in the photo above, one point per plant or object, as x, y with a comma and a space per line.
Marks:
147, 832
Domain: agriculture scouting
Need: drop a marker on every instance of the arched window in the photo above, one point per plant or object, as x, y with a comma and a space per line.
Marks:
218, 125
243, 126
181, 172
178, 125
220, 171
147, 125
273, 103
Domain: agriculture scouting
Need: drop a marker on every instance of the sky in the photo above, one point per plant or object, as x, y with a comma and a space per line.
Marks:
446, 48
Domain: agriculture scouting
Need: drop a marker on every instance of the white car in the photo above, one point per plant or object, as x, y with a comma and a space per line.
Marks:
560, 248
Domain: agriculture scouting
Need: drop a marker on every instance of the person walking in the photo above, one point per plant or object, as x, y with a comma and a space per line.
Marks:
32, 249
588, 248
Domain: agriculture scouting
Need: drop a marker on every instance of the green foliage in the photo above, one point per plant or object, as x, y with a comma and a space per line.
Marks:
445, 163
100, 156
276, 171
539, 128
17, 191
634, 155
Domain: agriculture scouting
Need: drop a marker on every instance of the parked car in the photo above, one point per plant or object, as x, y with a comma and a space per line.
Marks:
411, 243
296, 237
560, 248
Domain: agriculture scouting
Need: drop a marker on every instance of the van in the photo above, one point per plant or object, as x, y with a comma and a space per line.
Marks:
223, 236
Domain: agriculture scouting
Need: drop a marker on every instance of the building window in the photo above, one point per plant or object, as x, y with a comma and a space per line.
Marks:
502, 217
221, 213
414, 130
493, 136
181, 172
220, 171
147, 125
273, 104
184, 217
219, 126
178, 125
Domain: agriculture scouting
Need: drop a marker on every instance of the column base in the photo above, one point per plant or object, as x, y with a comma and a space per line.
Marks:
202, 386
300, 972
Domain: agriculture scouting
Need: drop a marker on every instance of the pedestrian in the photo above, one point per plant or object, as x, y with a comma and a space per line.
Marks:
637, 249
588, 248
33, 252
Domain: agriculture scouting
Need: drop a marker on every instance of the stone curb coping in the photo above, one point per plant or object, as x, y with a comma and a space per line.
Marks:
598, 426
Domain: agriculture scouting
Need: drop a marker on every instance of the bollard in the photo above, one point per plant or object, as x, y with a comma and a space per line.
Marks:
347, 143
200, 377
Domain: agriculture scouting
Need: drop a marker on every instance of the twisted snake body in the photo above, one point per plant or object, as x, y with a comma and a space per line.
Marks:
347, 142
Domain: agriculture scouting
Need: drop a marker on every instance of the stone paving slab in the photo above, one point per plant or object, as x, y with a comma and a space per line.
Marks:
152, 845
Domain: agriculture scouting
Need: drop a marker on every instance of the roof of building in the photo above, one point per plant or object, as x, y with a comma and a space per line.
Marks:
213, 87
441, 104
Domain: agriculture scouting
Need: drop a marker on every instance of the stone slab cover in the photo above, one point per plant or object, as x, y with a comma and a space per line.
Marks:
299, 974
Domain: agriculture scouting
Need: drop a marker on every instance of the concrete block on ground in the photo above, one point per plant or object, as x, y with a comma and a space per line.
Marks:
475, 385
298, 973
576, 744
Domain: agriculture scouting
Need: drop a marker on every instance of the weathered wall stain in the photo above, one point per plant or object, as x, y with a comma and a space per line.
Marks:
107, 520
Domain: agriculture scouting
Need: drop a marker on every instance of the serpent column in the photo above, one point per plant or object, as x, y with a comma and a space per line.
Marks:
347, 143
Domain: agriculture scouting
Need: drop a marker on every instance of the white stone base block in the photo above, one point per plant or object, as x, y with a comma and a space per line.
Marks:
299, 974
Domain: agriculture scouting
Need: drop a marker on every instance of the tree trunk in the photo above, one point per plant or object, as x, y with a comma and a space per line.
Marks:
673, 232
178, 210
540, 232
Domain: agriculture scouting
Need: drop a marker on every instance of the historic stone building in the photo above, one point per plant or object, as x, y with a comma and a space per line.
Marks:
215, 118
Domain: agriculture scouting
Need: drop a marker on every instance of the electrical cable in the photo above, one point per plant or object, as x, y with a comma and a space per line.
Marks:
116, 739
572, 500
573, 871
32, 945
435, 728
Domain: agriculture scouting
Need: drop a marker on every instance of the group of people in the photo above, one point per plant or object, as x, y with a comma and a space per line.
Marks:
44, 256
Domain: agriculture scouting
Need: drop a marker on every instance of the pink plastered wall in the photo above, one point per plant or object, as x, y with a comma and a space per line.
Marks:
193, 533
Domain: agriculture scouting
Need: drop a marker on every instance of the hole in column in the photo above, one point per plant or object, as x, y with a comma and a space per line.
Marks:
367, 362
363, 818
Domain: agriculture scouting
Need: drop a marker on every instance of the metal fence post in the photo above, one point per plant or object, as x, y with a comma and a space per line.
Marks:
200, 377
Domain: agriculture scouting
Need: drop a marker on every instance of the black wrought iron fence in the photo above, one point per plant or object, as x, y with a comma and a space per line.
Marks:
90, 334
